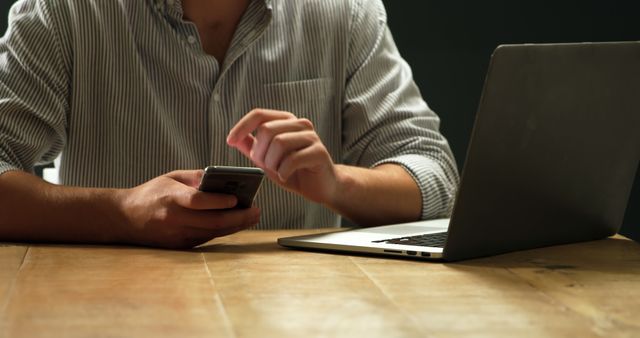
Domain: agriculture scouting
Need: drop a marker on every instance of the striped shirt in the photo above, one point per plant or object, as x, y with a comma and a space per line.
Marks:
124, 91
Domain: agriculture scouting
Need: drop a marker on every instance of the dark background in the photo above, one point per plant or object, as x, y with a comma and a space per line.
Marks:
449, 43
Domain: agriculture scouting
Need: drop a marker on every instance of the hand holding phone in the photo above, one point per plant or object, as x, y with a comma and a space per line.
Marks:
243, 182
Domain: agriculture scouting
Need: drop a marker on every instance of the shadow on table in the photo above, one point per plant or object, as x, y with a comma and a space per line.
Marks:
611, 255
209, 247
239, 248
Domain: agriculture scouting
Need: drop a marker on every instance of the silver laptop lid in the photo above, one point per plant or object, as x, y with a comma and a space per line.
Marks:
554, 150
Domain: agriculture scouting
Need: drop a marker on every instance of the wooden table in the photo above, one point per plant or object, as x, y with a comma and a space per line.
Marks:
247, 286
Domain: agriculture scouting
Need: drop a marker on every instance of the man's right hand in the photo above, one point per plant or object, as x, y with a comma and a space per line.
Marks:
170, 212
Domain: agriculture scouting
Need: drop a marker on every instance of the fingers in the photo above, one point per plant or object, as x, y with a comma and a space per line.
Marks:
280, 133
168, 212
310, 157
184, 193
202, 226
194, 199
253, 120
184, 228
283, 145
187, 177
245, 145
277, 134
217, 220
198, 200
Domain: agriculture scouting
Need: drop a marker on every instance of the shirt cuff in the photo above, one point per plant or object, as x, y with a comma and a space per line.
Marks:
436, 187
4, 167
7, 162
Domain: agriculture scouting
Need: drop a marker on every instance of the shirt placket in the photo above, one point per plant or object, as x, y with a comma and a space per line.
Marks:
253, 24
251, 27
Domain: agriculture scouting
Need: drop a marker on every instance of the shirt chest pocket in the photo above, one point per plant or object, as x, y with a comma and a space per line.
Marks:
312, 99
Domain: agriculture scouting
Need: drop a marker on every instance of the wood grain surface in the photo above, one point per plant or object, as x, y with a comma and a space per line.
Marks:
245, 285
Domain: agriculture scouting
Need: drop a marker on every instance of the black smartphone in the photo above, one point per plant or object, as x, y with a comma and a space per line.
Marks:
243, 182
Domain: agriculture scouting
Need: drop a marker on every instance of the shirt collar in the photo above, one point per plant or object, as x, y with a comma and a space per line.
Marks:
174, 7
171, 7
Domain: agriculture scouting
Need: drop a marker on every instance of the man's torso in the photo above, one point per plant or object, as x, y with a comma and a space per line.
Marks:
146, 99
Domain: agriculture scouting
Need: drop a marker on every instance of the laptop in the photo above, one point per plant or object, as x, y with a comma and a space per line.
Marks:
553, 154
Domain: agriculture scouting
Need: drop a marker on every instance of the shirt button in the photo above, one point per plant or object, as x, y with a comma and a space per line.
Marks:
170, 3
216, 97
191, 39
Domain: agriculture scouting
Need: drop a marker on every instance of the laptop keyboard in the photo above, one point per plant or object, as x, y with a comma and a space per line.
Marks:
435, 240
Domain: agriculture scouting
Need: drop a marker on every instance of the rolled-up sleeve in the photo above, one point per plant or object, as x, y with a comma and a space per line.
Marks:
385, 119
34, 84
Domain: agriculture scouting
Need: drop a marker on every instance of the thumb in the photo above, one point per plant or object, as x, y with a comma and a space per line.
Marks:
191, 178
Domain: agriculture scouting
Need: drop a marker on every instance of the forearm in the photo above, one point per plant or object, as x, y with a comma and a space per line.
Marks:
34, 210
382, 195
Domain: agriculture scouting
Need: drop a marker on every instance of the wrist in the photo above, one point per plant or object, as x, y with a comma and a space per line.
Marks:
346, 184
118, 222
382, 195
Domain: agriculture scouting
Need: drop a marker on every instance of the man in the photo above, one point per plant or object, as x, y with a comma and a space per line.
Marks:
133, 93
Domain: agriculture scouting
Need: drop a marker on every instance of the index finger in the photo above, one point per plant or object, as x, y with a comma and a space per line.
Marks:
194, 199
252, 121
